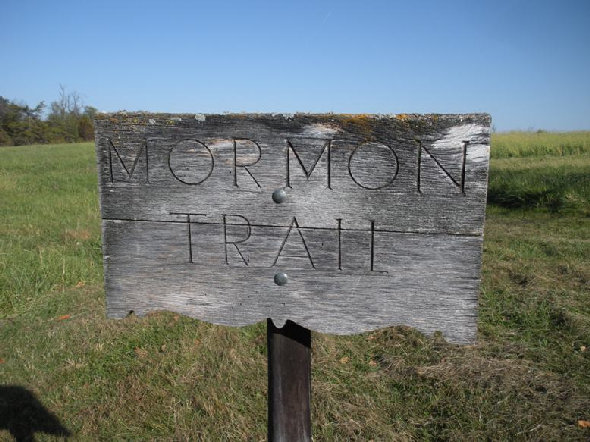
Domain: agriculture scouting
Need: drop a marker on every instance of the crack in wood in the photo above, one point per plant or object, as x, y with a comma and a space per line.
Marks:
406, 232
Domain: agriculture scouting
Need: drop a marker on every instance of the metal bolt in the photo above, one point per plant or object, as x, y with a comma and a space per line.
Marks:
279, 195
281, 278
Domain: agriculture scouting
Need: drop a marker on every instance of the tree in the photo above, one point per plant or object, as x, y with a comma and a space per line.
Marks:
85, 128
21, 124
64, 114
68, 121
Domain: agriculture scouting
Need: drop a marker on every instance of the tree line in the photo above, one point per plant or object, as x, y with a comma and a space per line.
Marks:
68, 120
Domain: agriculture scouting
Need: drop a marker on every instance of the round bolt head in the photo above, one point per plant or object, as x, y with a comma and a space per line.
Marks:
279, 195
281, 278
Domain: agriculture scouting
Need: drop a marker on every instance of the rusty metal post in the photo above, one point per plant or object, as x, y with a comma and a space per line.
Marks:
289, 383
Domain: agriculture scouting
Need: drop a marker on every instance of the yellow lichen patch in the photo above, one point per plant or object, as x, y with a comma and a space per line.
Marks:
358, 123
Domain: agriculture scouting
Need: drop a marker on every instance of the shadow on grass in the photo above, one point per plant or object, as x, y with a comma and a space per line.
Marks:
552, 189
511, 198
23, 415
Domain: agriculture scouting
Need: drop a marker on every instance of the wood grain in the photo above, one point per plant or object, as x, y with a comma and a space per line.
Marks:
382, 223
289, 383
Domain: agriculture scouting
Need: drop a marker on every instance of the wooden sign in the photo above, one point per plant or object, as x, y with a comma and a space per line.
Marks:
341, 223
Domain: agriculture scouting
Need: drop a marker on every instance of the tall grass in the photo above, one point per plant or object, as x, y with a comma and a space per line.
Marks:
528, 144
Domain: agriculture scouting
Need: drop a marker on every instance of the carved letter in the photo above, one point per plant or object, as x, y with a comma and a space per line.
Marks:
127, 171
372, 251
327, 146
187, 155
339, 243
235, 243
376, 171
459, 184
372, 245
243, 163
296, 224
190, 235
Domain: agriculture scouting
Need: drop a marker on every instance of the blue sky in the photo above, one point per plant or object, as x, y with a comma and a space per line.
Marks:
526, 63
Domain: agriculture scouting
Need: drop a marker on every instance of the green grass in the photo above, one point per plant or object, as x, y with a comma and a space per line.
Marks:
555, 184
532, 144
173, 378
49, 236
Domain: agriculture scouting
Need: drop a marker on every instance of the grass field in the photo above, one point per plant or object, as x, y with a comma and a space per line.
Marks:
173, 378
534, 144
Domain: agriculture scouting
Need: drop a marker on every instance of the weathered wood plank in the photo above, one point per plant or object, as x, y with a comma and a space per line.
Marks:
382, 222
420, 280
